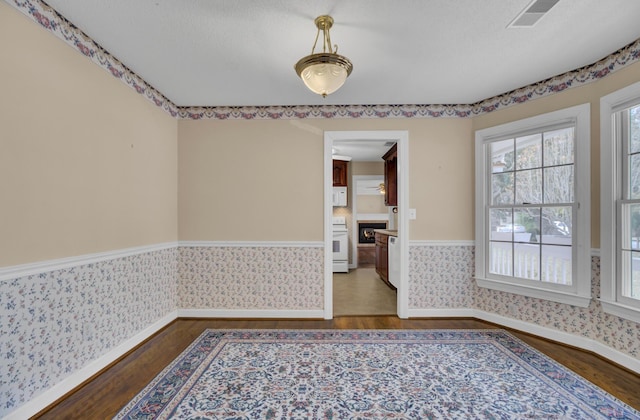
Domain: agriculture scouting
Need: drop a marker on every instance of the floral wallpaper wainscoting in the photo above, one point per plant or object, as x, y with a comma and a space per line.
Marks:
440, 277
251, 277
54, 323
592, 322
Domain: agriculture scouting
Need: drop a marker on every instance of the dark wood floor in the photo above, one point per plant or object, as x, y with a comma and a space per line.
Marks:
104, 395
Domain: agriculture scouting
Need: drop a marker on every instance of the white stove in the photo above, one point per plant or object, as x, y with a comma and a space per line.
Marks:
340, 245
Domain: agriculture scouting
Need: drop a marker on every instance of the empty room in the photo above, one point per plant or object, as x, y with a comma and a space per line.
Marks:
284, 209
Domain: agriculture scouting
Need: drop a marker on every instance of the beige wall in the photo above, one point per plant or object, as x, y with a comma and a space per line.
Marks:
441, 164
367, 203
366, 168
590, 93
249, 181
86, 164
263, 180
371, 204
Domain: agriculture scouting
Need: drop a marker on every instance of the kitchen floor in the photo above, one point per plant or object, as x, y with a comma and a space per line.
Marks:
362, 292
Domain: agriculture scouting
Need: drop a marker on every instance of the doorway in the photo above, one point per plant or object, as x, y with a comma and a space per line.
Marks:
361, 290
361, 275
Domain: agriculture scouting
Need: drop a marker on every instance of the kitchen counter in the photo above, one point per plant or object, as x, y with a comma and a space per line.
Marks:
387, 232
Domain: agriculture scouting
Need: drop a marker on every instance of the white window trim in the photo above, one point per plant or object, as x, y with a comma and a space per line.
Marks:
609, 192
581, 294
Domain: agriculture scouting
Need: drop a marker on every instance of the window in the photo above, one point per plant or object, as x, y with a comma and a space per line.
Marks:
620, 202
532, 207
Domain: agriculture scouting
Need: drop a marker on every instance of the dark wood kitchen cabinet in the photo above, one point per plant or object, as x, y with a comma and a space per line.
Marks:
390, 176
382, 256
340, 173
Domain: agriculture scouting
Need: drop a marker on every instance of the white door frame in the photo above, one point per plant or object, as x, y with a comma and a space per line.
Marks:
402, 139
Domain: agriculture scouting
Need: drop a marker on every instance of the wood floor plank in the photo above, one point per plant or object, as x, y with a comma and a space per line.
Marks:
104, 395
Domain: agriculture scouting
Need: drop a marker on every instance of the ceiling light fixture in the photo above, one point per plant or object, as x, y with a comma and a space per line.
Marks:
324, 72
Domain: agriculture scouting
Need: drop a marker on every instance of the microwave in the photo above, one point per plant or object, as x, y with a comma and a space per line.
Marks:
339, 196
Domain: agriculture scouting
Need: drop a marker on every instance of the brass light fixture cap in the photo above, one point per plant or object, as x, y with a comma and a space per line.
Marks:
324, 22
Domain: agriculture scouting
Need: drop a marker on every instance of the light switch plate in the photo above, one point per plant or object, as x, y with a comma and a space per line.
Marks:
412, 214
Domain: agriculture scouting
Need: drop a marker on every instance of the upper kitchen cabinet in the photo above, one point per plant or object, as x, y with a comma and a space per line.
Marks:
390, 176
340, 173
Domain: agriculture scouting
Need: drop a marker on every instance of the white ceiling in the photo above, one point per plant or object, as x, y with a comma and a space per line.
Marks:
363, 150
242, 52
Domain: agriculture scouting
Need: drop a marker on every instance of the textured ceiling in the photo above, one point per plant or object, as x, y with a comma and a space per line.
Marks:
242, 52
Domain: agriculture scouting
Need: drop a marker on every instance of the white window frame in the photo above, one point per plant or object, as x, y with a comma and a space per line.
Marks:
579, 293
611, 189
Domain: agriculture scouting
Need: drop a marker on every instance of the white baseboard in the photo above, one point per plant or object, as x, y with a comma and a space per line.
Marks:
442, 313
584, 343
68, 384
251, 313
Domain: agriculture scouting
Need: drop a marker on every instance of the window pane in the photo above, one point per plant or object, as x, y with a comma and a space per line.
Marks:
634, 129
529, 186
526, 261
527, 224
502, 188
556, 225
558, 184
558, 147
500, 258
514, 213
634, 177
631, 220
556, 264
635, 276
501, 222
502, 156
529, 152
631, 283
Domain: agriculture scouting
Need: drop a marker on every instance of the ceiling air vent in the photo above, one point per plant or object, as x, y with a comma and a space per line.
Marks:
532, 13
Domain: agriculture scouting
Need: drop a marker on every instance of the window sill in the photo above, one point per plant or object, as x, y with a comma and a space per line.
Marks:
551, 295
620, 310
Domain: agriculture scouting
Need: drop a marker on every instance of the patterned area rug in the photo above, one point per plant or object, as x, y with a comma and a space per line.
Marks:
336, 374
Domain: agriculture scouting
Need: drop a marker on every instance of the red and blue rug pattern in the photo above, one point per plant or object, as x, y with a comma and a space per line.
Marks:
336, 374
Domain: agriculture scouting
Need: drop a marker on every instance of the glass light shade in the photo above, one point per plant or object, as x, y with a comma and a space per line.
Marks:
324, 73
324, 79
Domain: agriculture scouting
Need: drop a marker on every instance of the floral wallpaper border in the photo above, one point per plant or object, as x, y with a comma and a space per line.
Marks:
51, 20
57, 24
